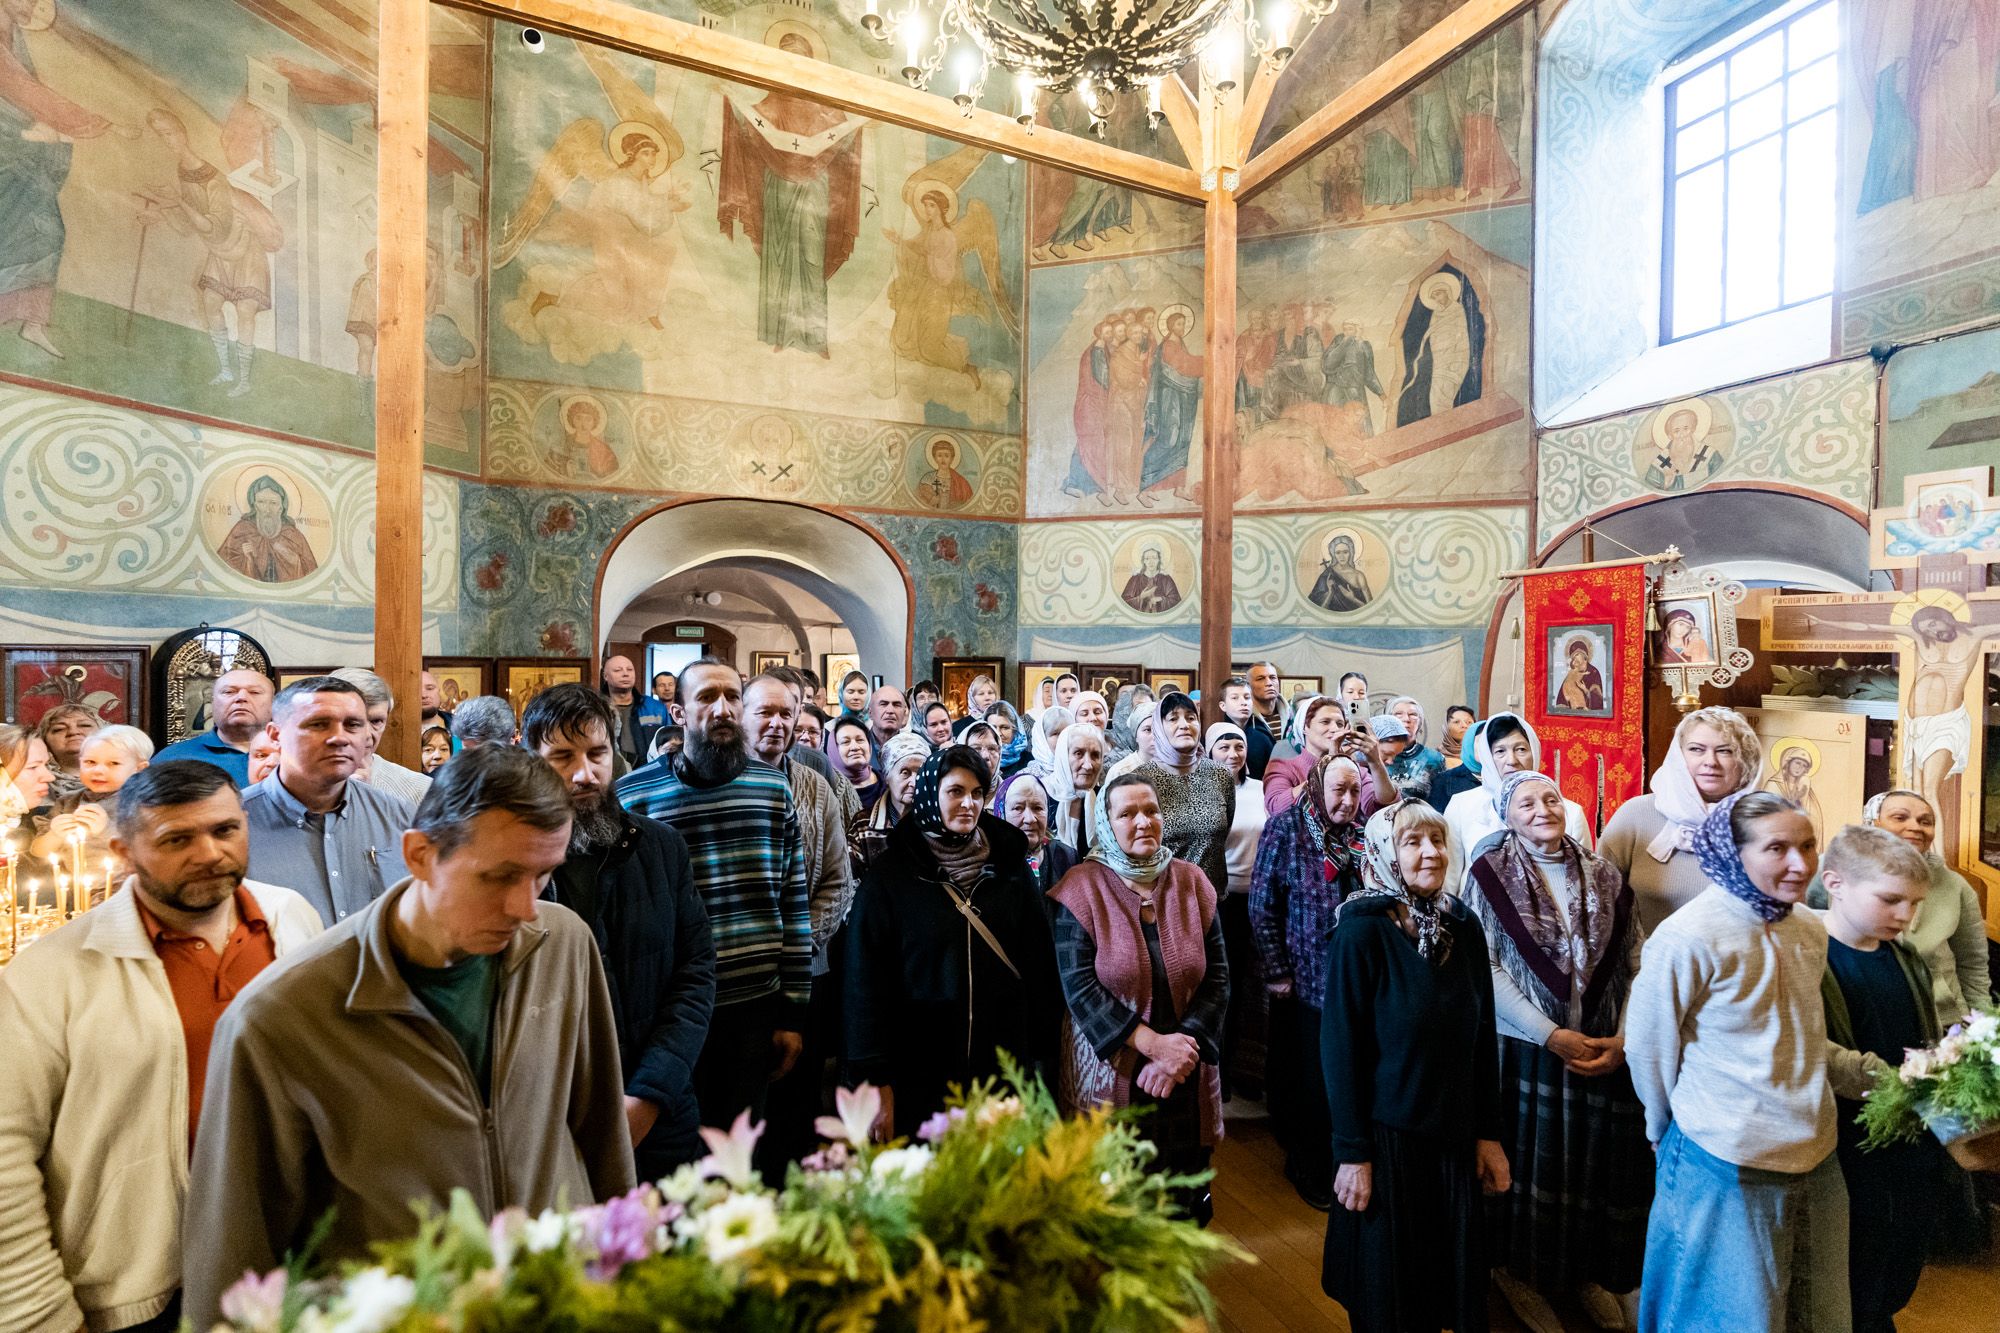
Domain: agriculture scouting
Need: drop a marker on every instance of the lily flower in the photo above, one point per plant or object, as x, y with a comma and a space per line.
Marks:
729, 1153
858, 1110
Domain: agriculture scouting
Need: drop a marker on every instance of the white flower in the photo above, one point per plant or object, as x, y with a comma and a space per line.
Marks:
1983, 1028
371, 1300
856, 1122
682, 1186
1916, 1065
738, 1225
548, 1231
901, 1165
729, 1153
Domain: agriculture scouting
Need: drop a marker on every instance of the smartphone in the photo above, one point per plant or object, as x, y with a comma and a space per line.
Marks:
1357, 711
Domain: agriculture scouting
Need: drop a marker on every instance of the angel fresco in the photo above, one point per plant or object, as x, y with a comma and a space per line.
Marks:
930, 285
609, 291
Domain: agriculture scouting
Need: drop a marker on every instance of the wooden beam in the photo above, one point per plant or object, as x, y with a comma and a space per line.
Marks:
1218, 448
402, 211
1178, 105
1257, 100
1430, 52
892, 102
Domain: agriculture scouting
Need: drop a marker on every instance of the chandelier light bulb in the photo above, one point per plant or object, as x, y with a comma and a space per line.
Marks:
966, 67
871, 18
911, 25
1154, 113
1024, 98
1280, 18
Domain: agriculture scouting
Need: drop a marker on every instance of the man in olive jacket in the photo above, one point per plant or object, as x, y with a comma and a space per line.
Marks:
456, 1033
631, 880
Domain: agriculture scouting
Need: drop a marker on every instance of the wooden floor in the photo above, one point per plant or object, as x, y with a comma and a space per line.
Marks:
1280, 1292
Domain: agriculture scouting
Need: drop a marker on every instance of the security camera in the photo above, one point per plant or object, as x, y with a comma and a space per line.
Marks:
532, 39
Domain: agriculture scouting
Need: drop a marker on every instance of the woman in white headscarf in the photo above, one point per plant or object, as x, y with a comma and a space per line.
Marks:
1073, 785
1506, 745
1042, 737
1714, 755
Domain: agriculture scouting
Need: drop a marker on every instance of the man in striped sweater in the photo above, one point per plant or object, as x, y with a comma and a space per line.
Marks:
742, 832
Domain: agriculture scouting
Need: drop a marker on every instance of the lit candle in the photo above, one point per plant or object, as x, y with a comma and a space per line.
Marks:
13, 904
34, 889
76, 855
872, 11
913, 38
62, 893
1279, 18
1024, 97
968, 72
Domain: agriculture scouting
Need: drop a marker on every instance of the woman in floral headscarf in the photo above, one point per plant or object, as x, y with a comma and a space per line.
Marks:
1413, 1089
1146, 977
1563, 940
1308, 862
1726, 1039
949, 956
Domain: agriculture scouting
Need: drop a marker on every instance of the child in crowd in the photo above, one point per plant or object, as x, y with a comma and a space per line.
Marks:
106, 761
1878, 999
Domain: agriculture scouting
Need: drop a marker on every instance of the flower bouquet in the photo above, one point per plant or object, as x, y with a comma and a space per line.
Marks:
1951, 1089
1002, 1215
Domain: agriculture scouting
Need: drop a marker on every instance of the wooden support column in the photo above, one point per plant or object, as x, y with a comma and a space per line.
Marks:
402, 118
1218, 449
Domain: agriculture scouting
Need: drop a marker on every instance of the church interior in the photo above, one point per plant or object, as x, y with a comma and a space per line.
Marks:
1588, 362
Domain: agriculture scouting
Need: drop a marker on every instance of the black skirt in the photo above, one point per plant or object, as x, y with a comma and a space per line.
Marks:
1414, 1260
1583, 1174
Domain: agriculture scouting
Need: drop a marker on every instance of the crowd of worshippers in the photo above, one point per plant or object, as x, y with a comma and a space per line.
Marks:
1616, 1070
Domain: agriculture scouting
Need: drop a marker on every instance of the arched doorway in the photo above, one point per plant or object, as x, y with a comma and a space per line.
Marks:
759, 551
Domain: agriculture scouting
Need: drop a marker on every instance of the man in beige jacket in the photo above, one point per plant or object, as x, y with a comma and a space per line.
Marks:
108, 1023
456, 1033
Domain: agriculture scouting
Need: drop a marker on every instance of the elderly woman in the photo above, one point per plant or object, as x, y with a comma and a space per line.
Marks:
1507, 745
1563, 941
980, 696
850, 748
1650, 839
1413, 1088
1073, 785
1132, 743
1024, 802
1197, 796
1726, 1039
1147, 980
949, 956
1320, 727
1417, 766
936, 723
1308, 863
1948, 931
868, 831
983, 740
1042, 739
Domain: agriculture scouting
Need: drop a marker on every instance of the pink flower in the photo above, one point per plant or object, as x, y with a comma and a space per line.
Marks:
855, 1122
939, 1123
621, 1231
255, 1303
729, 1152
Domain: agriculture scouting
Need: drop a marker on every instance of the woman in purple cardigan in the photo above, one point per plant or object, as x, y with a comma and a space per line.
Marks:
1139, 947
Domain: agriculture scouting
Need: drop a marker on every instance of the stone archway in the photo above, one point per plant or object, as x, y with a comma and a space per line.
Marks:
845, 563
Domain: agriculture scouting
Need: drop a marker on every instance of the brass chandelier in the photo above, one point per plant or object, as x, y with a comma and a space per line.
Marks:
1098, 48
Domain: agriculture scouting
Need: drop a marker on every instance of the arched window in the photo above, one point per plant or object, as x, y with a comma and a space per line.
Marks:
1752, 165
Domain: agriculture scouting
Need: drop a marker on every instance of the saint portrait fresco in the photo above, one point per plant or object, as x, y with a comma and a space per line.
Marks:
1153, 572
1342, 570
263, 521
580, 450
943, 485
1682, 447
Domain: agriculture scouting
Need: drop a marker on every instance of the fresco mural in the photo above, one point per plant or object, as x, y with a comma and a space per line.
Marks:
1384, 362
190, 215
1812, 431
1116, 378
563, 436
1463, 139
825, 259
1071, 217
1922, 170
1943, 408
103, 499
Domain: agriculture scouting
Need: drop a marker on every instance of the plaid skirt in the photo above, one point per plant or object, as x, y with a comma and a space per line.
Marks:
1583, 1175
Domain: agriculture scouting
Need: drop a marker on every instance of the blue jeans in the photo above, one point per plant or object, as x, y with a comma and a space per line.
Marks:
1731, 1247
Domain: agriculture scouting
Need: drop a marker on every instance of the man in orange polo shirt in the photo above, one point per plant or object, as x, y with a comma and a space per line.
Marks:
111, 1017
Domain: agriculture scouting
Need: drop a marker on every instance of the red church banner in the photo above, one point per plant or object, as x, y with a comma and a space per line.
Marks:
1585, 651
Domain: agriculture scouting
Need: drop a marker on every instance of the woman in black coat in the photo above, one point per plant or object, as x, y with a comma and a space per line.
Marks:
950, 958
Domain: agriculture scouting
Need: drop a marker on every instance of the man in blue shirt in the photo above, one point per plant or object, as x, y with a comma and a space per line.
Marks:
314, 829
241, 706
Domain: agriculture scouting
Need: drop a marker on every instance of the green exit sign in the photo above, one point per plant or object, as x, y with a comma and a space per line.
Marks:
690, 632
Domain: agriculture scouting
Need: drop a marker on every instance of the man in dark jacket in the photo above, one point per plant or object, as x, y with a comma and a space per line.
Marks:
630, 880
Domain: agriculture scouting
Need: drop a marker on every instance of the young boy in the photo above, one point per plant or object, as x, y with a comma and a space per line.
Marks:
1878, 1001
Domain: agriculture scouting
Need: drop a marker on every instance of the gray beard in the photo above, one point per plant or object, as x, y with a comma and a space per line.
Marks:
596, 825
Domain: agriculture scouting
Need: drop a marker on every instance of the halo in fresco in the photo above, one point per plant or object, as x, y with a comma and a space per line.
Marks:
1153, 571
1683, 446
1342, 568
942, 471
768, 457
265, 522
